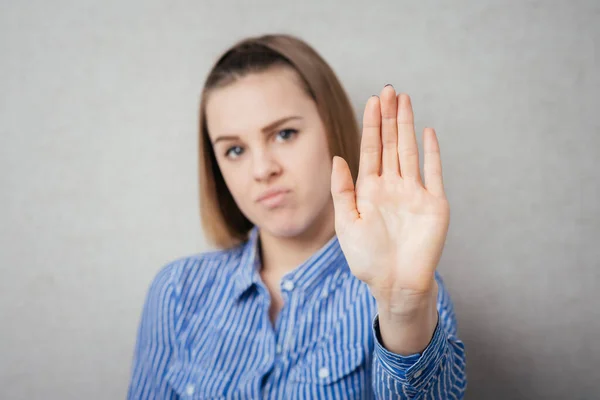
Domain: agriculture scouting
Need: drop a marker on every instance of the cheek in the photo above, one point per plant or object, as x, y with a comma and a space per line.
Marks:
319, 158
235, 181
315, 151
317, 170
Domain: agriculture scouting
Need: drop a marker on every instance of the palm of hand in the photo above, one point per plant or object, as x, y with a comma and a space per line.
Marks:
392, 227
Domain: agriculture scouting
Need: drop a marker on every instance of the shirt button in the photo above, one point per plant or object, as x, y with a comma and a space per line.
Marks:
189, 389
323, 373
288, 285
418, 373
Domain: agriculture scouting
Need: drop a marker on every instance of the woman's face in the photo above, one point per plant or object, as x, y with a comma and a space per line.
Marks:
267, 135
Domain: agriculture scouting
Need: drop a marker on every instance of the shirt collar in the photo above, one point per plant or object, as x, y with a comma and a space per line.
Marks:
307, 276
247, 273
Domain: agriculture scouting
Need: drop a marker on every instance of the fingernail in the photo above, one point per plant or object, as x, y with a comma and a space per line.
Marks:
374, 95
389, 84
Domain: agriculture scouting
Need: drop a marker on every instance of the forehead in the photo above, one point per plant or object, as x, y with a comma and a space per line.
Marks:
256, 100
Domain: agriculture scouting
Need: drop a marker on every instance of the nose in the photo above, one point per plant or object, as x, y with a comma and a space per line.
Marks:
265, 166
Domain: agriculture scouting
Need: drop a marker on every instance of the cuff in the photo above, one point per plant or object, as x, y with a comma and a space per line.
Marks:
415, 370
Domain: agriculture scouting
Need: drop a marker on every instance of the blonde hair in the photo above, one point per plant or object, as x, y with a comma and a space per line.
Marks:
222, 221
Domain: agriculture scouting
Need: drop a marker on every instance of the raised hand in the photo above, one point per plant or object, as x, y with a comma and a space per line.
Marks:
392, 227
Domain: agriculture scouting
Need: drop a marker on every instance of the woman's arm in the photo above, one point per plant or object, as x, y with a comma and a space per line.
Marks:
438, 372
392, 226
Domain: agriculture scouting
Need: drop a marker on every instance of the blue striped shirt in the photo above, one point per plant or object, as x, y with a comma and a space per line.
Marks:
205, 333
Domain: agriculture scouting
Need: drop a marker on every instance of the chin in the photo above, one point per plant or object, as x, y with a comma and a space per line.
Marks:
285, 226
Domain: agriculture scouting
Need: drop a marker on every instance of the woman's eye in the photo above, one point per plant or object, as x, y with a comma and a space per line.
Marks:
286, 134
237, 150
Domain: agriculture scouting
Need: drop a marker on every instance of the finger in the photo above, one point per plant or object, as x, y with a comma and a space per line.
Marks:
432, 163
370, 144
389, 132
408, 151
342, 192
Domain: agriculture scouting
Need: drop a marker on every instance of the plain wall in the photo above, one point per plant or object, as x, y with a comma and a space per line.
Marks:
98, 181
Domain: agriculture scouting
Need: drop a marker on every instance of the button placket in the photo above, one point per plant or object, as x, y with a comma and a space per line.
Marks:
286, 321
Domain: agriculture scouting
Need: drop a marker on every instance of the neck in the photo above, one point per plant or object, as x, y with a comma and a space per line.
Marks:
280, 255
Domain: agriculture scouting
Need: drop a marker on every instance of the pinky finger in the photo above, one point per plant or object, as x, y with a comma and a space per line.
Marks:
432, 163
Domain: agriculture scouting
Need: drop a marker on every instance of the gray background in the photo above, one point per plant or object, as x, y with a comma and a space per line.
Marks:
98, 172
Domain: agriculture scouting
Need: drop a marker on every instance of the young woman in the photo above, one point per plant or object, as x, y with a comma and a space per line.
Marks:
325, 284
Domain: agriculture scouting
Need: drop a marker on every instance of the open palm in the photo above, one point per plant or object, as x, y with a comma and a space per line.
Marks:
392, 227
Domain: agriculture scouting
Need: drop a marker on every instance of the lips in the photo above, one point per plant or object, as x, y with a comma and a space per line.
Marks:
271, 194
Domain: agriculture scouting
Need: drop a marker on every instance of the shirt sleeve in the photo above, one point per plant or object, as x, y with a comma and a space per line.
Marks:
155, 341
436, 373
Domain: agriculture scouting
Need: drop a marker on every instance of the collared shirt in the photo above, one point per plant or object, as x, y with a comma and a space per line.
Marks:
205, 333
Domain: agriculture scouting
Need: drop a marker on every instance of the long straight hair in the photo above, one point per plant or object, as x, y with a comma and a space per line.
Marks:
223, 222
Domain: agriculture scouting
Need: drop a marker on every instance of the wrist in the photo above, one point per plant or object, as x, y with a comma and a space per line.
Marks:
408, 330
409, 308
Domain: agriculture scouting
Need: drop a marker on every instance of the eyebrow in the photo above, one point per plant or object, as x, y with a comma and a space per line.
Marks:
266, 129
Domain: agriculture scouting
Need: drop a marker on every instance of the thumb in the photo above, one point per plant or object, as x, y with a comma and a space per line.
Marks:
342, 192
